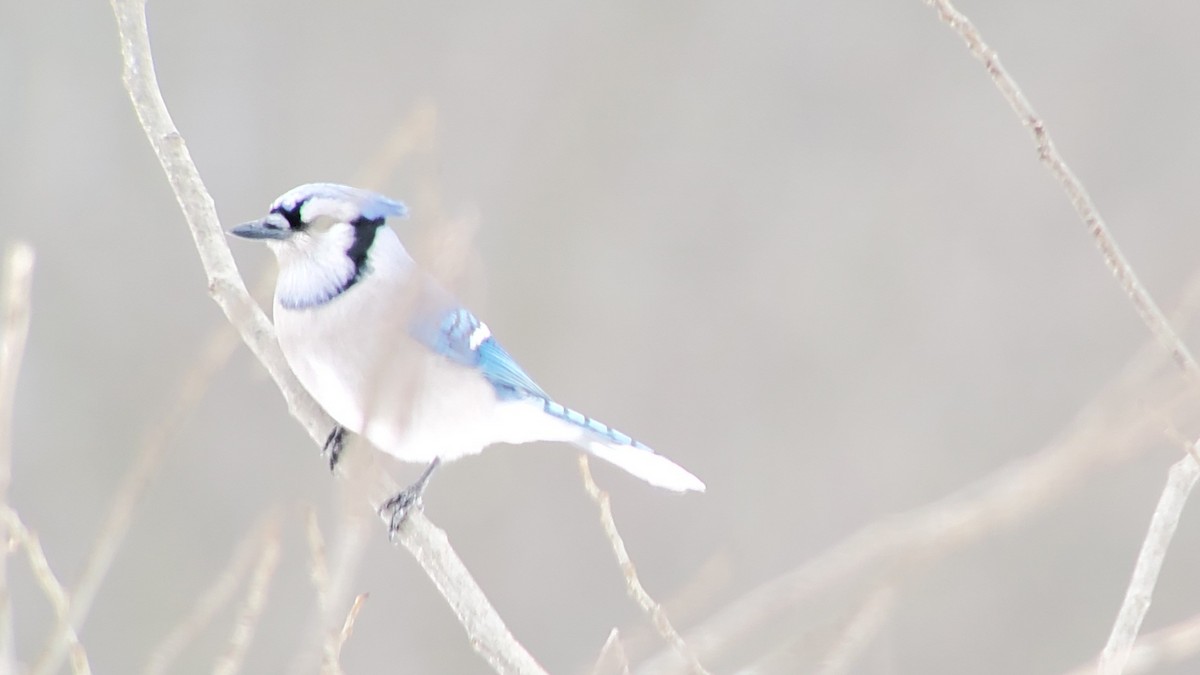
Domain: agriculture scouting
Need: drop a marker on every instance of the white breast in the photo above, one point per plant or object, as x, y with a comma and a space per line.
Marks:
356, 356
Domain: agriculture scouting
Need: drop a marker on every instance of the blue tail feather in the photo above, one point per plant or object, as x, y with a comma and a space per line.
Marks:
595, 426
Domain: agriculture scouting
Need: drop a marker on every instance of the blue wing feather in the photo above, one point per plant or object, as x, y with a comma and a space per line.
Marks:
464, 339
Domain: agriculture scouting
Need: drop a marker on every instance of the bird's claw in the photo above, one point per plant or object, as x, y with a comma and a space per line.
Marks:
334, 444
397, 509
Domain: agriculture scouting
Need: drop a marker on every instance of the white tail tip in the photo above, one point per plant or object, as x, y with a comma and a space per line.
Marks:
647, 465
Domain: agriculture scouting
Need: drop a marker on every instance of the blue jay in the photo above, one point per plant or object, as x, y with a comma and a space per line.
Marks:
393, 357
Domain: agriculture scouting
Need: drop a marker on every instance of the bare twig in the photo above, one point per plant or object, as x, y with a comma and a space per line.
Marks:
634, 585
215, 597
332, 664
319, 574
14, 330
612, 656
428, 544
1184, 473
246, 620
49, 583
859, 633
1105, 433
347, 552
1154, 651
318, 564
415, 132
1180, 481
1072, 186
218, 347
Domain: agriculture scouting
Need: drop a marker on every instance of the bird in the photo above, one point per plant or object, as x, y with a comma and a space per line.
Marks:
394, 357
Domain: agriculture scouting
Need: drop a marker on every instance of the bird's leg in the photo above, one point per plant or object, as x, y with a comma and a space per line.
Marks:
396, 509
334, 445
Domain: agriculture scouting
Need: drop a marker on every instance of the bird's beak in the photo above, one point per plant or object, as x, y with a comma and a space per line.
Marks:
261, 229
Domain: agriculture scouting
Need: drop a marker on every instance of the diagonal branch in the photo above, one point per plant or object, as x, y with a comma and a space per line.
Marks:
1072, 186
1180, 481
1184, 474
51, 587
250, 611
485, 629
1155, 651
214, 598
1109, 431
633, 584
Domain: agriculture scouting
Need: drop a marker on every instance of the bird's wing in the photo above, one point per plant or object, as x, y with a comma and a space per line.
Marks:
459, 336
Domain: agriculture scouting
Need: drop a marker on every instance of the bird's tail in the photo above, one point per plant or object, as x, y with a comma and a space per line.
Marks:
613, 446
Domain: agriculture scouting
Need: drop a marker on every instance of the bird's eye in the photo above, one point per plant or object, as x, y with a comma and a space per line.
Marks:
292, 216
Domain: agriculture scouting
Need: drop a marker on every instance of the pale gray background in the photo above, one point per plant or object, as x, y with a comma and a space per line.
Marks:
804, 248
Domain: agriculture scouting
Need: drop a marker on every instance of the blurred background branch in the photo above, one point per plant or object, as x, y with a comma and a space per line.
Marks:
1184, 473
15, 285
809, 235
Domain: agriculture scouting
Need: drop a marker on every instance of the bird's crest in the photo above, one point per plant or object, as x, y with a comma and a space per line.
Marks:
338, 201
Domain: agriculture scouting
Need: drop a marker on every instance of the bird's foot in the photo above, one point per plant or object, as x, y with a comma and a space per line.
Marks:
397, 509
334, 444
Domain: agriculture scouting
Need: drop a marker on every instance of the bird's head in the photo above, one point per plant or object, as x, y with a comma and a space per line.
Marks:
322, 235
317, 209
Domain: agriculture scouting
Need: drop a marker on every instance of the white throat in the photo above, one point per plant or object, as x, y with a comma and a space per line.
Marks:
316, 268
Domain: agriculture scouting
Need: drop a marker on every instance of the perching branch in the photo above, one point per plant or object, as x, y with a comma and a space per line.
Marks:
428, 544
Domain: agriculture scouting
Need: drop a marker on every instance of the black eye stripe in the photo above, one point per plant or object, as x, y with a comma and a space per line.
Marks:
292, 215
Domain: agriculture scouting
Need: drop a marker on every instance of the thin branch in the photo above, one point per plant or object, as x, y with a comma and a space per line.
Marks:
634, 585
1180, 481
485, 629
14, 331
1105, 433
318, 570
332, 664
1183, 475
350, 545
417, 131
861, 630
250, 611
612, 651
1154, 651
53, 589
1072, 186
218, 347
319, 574
209, 603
